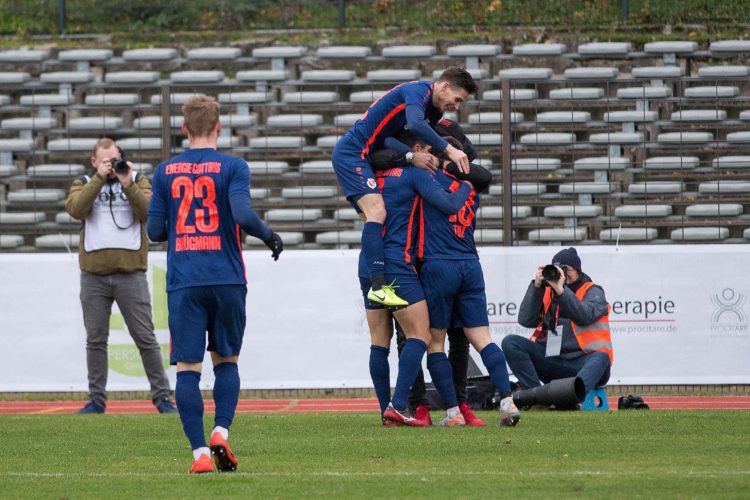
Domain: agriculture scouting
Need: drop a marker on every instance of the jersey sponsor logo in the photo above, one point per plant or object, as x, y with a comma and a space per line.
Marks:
211, 167
371, 183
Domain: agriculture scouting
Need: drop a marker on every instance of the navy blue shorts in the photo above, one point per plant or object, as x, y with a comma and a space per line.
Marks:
353, 173
455, 293
405, 278
216, 310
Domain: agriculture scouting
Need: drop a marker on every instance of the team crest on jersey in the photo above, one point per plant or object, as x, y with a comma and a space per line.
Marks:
371, 183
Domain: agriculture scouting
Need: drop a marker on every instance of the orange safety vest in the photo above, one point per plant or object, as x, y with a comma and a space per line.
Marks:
593, 337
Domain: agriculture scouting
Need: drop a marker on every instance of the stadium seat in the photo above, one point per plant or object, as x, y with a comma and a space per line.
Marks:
394, 75
300, 120
656, 187
278, 54
669, 50
525, 74
223, 142
714, 210
214, 54
260, 77
197, 77
23, 56
10, 241
471, 55
628, 234
488, 236
65, 170
67, 77
36, 196
346, 121
630, 116
730, 47
310, 97
746, 234
547, 139
492, 117
568, 211
316, 167
485, 139
366, 96
535, 164
605, 49
346, 214
293, 214
699, 115
309, 192
558, 234
327, 141
155, 54
518, 211
95, 123
14, 77
328, 75
602, 163
724, 187
344, 52
339, 238
244, 97
154, 122
47, 100
586, 187
277, 142
718, 72
745, 115
738, 137
590, 73
73, 144
7, 171
563, 117
259, 193
140, 143
515, 95
576, 93
711, 91
132, 77
476, 73
112, 99
699, 234
657, 72
267, 167
539, 49
520, 189
28, 124
684, 137
175, 98
739, 161
4, 100
409, 51
643, 211
671, 162
20, 218
84, 57
57, 241
645, 92
616, 138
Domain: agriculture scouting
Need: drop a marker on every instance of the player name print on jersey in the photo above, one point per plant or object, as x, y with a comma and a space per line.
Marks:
211, 167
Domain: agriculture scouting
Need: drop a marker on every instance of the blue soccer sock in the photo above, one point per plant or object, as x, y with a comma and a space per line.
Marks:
226, 393
442, 377
409, 364
380, 372
372, 247
187, 393
494, 360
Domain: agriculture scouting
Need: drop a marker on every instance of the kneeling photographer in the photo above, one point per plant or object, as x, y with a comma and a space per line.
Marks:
571, 339
113, 251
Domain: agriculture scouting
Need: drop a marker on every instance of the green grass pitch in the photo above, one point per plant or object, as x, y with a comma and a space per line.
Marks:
648, 454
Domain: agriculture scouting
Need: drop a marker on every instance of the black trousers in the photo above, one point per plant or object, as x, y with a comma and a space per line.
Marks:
458, 355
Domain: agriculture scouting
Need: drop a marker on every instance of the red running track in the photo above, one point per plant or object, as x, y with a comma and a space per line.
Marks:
345, 405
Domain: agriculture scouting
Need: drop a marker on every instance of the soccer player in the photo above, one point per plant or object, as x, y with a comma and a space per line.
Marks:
402, 189
454, 287
412, 105
201, 199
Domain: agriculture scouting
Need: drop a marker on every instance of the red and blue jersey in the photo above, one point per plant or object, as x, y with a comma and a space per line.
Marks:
449, 236
406, 104
190, 207
404, 191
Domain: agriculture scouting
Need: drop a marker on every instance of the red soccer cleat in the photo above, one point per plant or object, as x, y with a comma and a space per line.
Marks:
393, 414
471, 419
422, 413
202, 465
225, 461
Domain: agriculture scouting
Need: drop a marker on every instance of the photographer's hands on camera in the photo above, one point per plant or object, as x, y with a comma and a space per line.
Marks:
558, 285
105, 170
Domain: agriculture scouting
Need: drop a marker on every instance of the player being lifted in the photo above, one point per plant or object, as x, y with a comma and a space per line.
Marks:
201, 199
412, 105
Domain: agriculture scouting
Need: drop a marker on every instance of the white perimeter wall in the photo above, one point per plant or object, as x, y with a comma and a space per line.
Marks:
680, 316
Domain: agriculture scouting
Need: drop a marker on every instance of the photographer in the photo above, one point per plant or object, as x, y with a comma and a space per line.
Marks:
571, 317
112, 255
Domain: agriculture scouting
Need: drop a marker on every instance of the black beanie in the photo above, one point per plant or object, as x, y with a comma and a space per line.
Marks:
568, 257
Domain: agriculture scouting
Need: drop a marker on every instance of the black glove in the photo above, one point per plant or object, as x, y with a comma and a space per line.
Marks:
275, 244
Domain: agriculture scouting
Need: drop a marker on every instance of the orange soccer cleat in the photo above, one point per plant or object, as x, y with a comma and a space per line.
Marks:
225, 461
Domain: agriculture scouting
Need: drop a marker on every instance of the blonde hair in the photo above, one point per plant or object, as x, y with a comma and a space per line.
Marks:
201, 115
103, 143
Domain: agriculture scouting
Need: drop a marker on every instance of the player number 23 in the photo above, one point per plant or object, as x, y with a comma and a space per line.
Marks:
206, 218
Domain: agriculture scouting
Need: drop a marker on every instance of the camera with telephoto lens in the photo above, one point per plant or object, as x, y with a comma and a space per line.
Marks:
119, 165
550, 273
